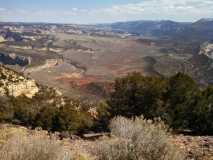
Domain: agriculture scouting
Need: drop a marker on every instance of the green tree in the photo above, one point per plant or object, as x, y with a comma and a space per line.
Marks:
180, 97
25, 110
45, 117
6, 110
135, 95
201, 119
71, 119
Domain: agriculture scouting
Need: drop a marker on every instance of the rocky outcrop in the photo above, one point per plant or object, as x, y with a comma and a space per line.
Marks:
13, 59
48, 64
207, 50
14, 84
2, 39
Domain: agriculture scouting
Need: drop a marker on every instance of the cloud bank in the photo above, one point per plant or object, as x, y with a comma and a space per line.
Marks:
178, 10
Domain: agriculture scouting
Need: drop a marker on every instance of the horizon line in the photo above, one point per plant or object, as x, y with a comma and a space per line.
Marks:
99, 23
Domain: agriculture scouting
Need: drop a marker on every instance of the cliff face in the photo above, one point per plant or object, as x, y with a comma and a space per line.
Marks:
48, 64
14, 84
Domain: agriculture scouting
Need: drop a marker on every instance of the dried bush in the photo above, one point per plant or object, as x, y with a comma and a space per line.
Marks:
33, 148
139, 139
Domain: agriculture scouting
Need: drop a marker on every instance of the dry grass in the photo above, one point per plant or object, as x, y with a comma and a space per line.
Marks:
33, 148
20, 143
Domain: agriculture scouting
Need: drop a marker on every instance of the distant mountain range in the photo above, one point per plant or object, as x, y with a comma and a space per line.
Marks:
201, 30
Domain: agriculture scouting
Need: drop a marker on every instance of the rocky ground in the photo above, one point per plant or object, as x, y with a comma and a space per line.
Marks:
196, 147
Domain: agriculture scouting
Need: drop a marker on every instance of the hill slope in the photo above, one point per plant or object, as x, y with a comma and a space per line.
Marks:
14, 84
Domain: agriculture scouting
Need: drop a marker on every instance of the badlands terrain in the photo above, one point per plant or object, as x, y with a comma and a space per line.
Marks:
83, 60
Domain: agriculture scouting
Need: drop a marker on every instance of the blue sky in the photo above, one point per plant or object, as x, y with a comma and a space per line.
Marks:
62, 4
101, 11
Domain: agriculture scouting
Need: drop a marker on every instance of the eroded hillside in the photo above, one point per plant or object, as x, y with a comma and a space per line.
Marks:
14, 84
83, 60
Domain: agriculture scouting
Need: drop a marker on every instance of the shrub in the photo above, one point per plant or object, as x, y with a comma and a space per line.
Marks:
33, 148
177, 100
180, 96
6, 110
135, 95
102, 118
201, 117
71, 119
139, 139
48, 111
45, 117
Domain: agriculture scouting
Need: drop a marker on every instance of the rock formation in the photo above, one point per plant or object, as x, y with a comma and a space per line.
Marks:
207, 50
2, 39
13, 59
14, 84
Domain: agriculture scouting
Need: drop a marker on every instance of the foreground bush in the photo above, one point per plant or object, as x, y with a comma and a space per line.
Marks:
139, 139
33, 148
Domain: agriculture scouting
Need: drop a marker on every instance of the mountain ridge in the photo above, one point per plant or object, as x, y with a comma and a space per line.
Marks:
167, 29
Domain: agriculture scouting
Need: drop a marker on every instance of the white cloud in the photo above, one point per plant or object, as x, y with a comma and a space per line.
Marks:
181, 10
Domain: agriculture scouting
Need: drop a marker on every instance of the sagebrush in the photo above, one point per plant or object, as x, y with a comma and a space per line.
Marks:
139, 139
33, 148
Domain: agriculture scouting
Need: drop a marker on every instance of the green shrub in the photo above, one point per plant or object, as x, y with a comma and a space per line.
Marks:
70, 119
135, 95
6, 110
48, 111
180, 96
178, 100
201, 116
45, 117
102, 118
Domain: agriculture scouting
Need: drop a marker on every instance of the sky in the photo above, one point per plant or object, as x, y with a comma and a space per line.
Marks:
103, 11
